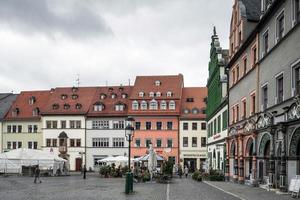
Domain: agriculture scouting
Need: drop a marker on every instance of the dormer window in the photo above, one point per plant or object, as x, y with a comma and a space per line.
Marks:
157, 83
102, 96
55, 106
151, 94
35, 112
143, 105
15, 112
124, 96
66, 106
172, 105
158, 94
120, 107
32, 100
74, 96
74, 89
135, 105
64, 96
98, 106
78, 106
110, 89
195, 111
186, 111
113, 96
153, 105
169, 94
163, 105
190, 100
121, 88
141, 94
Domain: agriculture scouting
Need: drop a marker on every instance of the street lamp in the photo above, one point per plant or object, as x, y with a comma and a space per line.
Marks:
129, 130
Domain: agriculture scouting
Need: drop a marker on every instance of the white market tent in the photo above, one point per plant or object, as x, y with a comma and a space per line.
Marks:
146, 158
14, 160
118, 160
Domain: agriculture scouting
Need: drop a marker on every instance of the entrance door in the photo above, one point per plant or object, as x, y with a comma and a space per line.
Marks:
191, 163
78, 162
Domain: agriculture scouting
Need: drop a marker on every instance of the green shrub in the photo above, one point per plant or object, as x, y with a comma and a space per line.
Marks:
105, 171
146, 176
197, 176
167, 168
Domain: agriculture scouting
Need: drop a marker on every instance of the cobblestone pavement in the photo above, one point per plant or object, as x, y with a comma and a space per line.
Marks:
75, 188
247, 192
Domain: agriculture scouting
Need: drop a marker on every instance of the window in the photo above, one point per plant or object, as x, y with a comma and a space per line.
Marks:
35, 128
31, 100
158, 125
143, 105
78, 142
203, 141
169, 125
224, 121
157, 83
54, 124
279, 89
296, 11
158, 94
237, 73
102, 96
78, 124
185, 126
29, 128
233, 76
169, 143
172, 105
64, 96
280, 26
296, 81
237, 112
15, 112
98, 107
72, 142
169, 94
254, 55
215, 126
63, 124
153, 104
78, 106
35, 112
74, 96
66, 106
194, 126
29, 145
113, 96
266, 42
100, 142
203, 126
135, 105
194, 141
163, 105
137, 125
148, 125
253, 104
102, 124
118, 142
219, 124
118, 125
244, 108
124, 96
19, 129
55, 106
245, 65
189, 99
14, 128
119, 107
185, 141
151, 94
137, 142
265, 97
158, 142
54, 142
9, 128
147, 142
141, 94
72, 124
48, 142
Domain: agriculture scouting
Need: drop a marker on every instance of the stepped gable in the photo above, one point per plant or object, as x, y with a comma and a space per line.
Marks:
28, 105
193, 103
6, 100
69, 100
104, 96
157, 84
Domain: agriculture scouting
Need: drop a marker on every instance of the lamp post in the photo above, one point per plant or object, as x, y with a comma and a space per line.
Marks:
129, 130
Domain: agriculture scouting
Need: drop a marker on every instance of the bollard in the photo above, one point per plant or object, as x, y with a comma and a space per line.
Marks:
129, 183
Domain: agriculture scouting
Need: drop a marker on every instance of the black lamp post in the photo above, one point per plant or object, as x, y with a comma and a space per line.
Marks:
129, 130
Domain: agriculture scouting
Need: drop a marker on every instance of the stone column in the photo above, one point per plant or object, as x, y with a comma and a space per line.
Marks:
241, 160
272, 159
283, 178
235, 163
254, 159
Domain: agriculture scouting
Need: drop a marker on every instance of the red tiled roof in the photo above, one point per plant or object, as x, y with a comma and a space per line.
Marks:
109, 102
83, 100
146, 84
25, 110
198, 94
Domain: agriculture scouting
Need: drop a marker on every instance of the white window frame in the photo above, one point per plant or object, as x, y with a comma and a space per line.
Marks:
163, 105
135, 105
172, 105
144, 105
276, 26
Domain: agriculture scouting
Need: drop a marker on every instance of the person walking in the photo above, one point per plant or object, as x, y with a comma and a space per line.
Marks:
84, 172
186, 171
37, 173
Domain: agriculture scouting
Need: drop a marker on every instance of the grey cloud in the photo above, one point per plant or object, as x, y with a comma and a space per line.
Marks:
50, 17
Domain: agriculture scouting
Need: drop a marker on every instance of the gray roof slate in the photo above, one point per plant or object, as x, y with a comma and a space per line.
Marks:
252, 9
6, 100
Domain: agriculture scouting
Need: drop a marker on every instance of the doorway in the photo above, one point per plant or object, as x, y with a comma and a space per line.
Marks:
78, 164
191, 163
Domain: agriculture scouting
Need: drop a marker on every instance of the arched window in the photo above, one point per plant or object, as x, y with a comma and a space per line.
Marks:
66, 106
135, 105
172, 105
124, 96
98, 106
78, 106
151, 94
141, 94
163, 105
157, 83
74, 96
102, 96
143, 105
64, 96
169, 94
158, 94
35, 112
55, 106
15, 112
153, 105
32, 100
195, 110
113, 95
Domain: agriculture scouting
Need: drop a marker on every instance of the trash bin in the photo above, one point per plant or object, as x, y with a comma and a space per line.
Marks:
129, 183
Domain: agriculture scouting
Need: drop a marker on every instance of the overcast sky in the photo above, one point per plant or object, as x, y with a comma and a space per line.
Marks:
46, 43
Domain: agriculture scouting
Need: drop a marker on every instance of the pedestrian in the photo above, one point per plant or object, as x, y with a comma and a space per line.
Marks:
180, 171
37, 172
186, 171
84, 172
